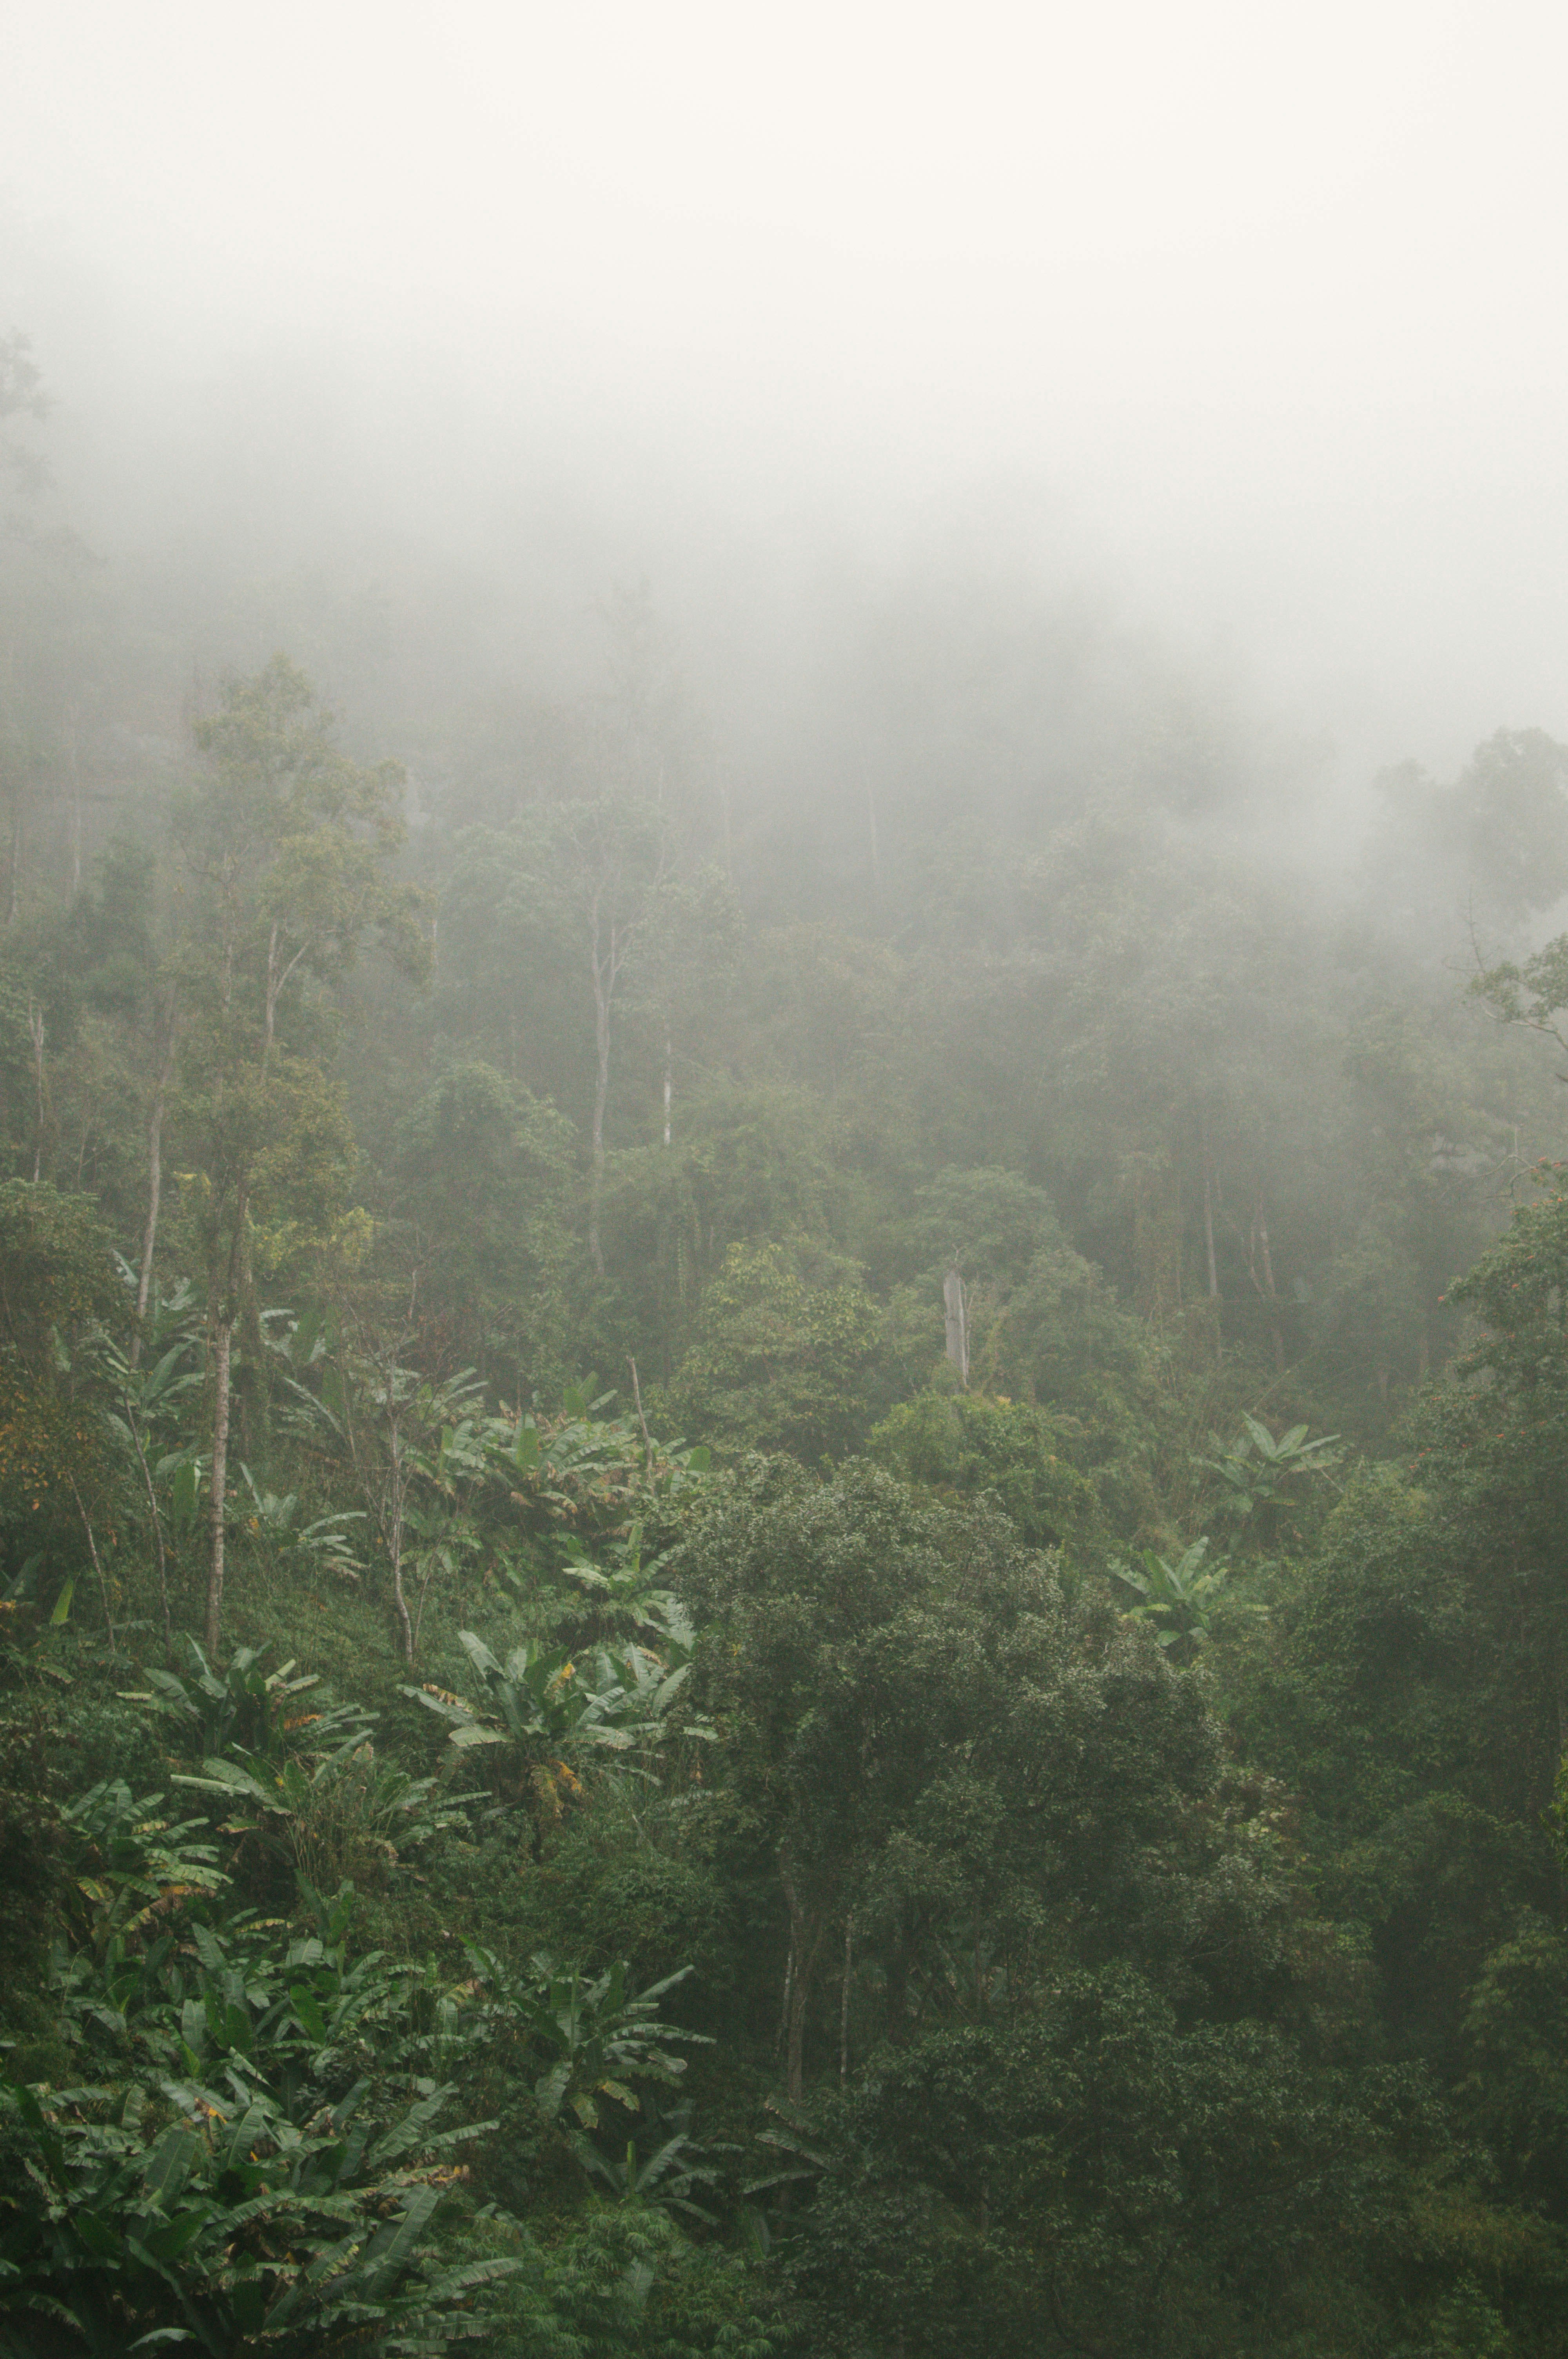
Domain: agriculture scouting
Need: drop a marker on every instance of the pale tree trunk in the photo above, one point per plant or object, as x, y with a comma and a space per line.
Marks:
604, 964
1268, 1288
669, 1085
223, 1339
132, 1428
155, 1189
600, 1096
957, 1319
278, 975
1209, 1192
75, 809
36, 1032
394, 1543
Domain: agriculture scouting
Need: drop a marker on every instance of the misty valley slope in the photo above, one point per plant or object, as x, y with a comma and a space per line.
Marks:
566, 1778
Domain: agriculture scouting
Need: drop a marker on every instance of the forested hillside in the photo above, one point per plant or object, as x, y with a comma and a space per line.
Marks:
783, 1514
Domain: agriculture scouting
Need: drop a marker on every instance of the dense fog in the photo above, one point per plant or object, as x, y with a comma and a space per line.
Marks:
784, 1012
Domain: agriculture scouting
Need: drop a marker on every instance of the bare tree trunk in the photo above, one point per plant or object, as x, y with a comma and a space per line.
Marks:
158, 1527
1268, 1288
669, 1084
154, 1189
273, 988
957, 1314
601, 1098
1263, 1247
637, 1396
93, 1553
36, 1032
278, 976
844, 2001
394, 1543
223, 1339
1207, 1162
75, 807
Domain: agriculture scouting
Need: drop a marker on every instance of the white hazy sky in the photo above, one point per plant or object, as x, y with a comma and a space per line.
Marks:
1272, 297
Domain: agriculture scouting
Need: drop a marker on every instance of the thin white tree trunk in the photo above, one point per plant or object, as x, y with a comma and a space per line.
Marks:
1208, 1236
1268, 1288
223, 1339
155, 1190
36, 1032
604, 982
957, 1325
75, 809
394, 1541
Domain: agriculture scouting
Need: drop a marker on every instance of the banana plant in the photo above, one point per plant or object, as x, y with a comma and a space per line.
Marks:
546, 1698
669, 2176
1256, 1472
630, 1597
244, 1713
1176, 1598
323, 1544
592, 2039
131, 1865
584, 1473
214, 2180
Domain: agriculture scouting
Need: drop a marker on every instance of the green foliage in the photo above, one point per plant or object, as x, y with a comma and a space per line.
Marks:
1097, 2169
1176, 1598
623, 2283
232, 2177
57, 1284
962, 1445
593, 2038
546, 1702
1123, 1952
776, 1362
1515, 2082
487, 1173
1260, 1477
303, 1783
242, 1710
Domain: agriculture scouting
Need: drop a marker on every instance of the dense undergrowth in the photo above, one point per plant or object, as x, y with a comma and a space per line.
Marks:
778, 1910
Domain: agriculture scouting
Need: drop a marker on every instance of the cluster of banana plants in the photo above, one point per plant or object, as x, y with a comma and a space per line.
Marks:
258, 2144
254, 2159
449, 1487
590, 2038
282, 1756
548, 1701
